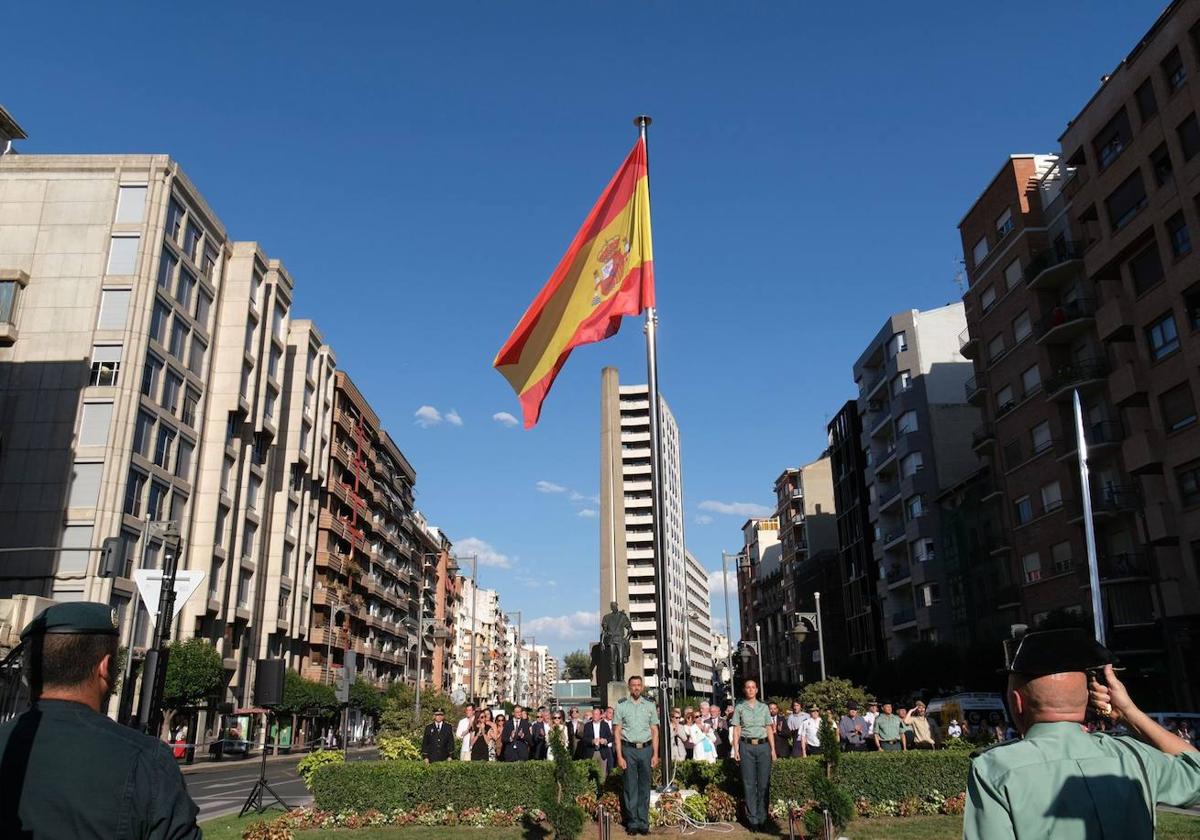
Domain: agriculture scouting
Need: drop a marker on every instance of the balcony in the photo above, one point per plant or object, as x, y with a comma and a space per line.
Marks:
1126, 388
968, 345
1143, 453
1113, 499
1129, 604
975, 389
1054, 266
903, 618
898, 574
1124, 566
891, 537
1083, 375
1066, 321
889, 496
1114, 321
983, 438
1102, 439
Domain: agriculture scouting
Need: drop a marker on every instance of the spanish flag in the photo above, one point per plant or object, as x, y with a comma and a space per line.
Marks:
607, 273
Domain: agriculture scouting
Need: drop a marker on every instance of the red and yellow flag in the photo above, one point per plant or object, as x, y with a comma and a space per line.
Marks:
607, 273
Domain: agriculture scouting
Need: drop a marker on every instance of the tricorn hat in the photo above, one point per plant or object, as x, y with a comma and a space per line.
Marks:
1058, 651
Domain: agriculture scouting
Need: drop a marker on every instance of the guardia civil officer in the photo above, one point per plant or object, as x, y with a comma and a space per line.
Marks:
1061, 781
66, 770
635, 731
754, 750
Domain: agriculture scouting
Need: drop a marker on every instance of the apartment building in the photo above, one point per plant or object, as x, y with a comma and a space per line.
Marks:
481, 637
111, 278
917, 428
1102, 260
859, 570
627, 561
757, 563
698, 641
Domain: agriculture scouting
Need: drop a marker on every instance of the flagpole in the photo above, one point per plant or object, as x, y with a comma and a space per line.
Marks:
661, 613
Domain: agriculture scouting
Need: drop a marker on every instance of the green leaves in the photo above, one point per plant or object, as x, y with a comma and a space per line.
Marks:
194, 673
307, 697
577, 665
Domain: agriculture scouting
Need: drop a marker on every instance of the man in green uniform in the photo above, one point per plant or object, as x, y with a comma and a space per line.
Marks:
66, 770
635, 731
888, 730
754, 751
1061, 781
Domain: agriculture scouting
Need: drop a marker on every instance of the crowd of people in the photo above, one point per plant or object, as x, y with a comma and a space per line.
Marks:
525, 735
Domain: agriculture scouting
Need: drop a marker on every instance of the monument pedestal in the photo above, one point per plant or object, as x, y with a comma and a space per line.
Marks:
615, 692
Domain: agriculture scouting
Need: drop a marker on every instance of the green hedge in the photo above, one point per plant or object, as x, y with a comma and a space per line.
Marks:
879, 776
403, 785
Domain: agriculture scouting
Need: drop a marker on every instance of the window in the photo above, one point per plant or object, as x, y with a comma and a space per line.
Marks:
1022, 327
79, 538
191, 242
85, 485
166, 269
162, 446
911, 464
1178, 407
1173, 70
174, 219
1051, 496
1162, 337
94, 421
179, 334
1191, 302
171, 390
1012, 453
1111, 140
277, 323
1177, 233
251, 327
214, 578
1004, 224
203, 307
196, 356
244, 388
244, 587
156, 500
1188, 479
1126, 201
131, 205
930, 594
142, 429
106, 364
254, 486
980, 251
1012, 274
158, 322
987, 299
901, 382
995, 348
210, 260
1023, 507
1040, 436
248, 540
226, 471
222, 521
1060, 556
1189, 137
906, 423
1160, 163
183, 291
1031, 380
1032, 565
10, 290
151, 372
915, 507
114, 305
133, 492
191, 399
269, 403
122, 255
231, 428
183, 459
1147, 104
308, 400
1145, 268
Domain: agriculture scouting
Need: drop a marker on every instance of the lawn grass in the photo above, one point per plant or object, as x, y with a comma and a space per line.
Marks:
1171, 826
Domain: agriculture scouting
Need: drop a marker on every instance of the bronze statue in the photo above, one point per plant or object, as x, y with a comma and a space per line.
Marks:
615, 633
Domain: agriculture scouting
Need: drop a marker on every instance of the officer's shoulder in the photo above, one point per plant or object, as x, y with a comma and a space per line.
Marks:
999, 753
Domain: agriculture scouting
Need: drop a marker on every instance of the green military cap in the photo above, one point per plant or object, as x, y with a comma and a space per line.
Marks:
80, 617
1057, 652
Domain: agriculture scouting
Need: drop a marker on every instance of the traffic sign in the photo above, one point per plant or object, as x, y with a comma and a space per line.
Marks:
149, 584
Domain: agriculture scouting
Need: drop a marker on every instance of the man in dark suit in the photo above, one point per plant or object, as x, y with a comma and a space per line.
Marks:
596, 739
438, 742
515, 738
574, 731
541, 726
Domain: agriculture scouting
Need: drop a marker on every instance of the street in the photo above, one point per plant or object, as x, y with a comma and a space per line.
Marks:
222, 788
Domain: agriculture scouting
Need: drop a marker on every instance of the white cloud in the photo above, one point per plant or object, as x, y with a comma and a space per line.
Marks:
736, 508
587, 513
452, 418
488, 555
554, 630
716, 588
703, 519
536, 582
550, 487
506, 419
427, 416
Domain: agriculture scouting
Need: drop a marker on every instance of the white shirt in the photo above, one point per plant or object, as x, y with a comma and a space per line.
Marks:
869, 717
810, 730
460, 732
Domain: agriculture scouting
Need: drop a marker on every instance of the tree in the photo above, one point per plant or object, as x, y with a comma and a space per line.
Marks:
366, 698
578, 665
194, 673
833, 693
397, 715
307, 698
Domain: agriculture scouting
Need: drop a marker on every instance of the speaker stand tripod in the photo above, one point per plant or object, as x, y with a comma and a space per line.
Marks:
257, 800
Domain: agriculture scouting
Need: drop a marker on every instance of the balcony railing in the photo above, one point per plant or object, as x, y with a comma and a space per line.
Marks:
1071, 375
968, 345
985, 435
1129, 564
974, 387
903, 617
1115, 498
898, 572
1056, 255
1066, 313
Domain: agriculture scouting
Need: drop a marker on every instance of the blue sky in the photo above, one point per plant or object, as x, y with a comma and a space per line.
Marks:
420, 169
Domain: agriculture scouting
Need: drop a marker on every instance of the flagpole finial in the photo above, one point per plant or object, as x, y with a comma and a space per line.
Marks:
642, 120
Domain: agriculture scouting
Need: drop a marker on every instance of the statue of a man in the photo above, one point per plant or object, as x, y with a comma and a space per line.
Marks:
615, 633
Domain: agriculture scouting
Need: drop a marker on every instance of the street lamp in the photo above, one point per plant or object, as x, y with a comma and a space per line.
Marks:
154, 669
803, 623
517, 686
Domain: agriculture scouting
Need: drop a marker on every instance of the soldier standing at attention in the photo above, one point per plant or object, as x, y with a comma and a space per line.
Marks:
1061, 781
635, 730
755, 751
66, 770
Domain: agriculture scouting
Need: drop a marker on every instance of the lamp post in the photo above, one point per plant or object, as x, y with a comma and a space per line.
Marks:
154, 669
517, 686
728, 626
802, 623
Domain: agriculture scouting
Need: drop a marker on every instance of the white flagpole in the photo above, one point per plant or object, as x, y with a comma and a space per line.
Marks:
661, 608
1089, 528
